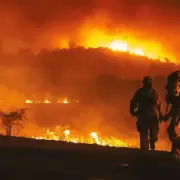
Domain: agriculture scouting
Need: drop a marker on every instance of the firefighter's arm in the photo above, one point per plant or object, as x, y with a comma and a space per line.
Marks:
160, 106
161, 109
169, 112
134, 104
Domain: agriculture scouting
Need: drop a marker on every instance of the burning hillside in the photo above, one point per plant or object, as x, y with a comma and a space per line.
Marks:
95, 52
91, 138
88, 126
98, 39
67, 134
139, 28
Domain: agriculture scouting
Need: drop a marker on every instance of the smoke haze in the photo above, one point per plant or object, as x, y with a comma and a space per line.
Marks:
32, 66
47, 24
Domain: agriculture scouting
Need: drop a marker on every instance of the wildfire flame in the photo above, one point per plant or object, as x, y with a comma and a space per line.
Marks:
64, 101
98, 38
47, 101
123, 47
118, 46
67, 134
28, 101
92, 138
94, 135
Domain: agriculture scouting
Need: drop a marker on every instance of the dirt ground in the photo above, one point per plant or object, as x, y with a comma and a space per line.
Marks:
87, 162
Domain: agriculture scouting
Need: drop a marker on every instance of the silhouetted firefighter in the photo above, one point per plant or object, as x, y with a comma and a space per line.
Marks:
147, 106
173, 99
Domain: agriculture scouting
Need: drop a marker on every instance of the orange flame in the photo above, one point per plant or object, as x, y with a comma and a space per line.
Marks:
115, 42
47, 101
66, 132
66, 135
64, 101
28, 101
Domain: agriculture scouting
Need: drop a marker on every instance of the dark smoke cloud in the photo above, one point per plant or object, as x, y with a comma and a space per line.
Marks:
82, 69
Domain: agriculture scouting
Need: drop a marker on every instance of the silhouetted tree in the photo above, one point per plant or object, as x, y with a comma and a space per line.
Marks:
14, 118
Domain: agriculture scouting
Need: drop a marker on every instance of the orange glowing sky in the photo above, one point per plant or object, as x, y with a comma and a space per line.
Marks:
97, 38
137, 27
146, 28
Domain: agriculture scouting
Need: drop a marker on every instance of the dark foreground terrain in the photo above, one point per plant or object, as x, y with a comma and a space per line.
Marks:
38, 159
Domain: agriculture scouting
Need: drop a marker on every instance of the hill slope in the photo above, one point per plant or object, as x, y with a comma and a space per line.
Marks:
80, 161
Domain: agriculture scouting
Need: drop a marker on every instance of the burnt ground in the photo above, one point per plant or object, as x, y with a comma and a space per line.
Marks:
88, 162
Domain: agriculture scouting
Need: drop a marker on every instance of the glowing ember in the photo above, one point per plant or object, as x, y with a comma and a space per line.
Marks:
28, 102
47, 102
65, 101
94, 134
66, 132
